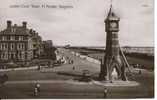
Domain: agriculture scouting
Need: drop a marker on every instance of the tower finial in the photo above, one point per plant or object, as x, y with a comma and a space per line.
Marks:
110, 3
110, 11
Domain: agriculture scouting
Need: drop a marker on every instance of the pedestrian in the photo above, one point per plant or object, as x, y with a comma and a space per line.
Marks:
69, 61
38, 87
38, 67
72, 61
73, 67
35, 91
105, 92
5, 76
140, 72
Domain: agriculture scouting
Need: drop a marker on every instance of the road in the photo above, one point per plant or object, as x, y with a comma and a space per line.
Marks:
58, 82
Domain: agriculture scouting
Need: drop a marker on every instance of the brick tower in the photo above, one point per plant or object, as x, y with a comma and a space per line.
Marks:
114, 60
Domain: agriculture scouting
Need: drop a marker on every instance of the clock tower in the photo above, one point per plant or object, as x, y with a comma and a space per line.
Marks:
113, 65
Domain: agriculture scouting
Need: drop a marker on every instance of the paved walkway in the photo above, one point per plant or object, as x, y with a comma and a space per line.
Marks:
93, 82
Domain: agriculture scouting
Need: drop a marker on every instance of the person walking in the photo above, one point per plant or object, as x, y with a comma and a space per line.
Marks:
140, 72
73, 67
38, 87
38, 67
105, 92
72, 61
35, 91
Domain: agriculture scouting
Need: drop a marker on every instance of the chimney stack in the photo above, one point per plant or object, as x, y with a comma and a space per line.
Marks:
15, 25
31, 31
24, 24
9, 24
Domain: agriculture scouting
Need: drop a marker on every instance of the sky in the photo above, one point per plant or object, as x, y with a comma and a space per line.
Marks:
83, 23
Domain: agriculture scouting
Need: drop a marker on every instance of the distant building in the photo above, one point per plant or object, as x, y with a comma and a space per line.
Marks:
142, 50
35, 43
67, 46
49, 50
47, 44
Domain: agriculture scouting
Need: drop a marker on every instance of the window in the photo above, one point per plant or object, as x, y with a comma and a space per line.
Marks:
25, 37
19, 55
8, 37
16, 37
0, 37
14, 29
23, 47
2, 46
12, 46
20, 38
3, 38
34, 45
12, 38
18, 46
3, 55
6, 46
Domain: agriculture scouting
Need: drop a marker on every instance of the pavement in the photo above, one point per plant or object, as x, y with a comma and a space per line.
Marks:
92, 82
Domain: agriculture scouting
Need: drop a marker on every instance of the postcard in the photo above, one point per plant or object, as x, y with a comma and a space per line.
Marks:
77, 49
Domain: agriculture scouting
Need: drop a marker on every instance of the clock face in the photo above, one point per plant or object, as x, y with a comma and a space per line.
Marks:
113, 24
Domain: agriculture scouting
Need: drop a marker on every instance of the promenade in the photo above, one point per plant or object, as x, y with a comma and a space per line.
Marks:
59, 82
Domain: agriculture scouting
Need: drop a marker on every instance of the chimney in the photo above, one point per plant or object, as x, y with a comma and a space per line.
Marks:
31, 31
34, 32
15, 25
24, 24
8, 24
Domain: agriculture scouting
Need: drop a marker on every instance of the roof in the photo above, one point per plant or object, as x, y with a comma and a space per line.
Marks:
111, 15
17, 30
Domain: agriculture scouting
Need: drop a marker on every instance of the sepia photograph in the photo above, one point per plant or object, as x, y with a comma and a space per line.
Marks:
77, 49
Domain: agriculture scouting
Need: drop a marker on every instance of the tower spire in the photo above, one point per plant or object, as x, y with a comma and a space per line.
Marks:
110, 4
110, 11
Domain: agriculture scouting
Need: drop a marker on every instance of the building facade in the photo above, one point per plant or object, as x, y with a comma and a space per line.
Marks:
18, 43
